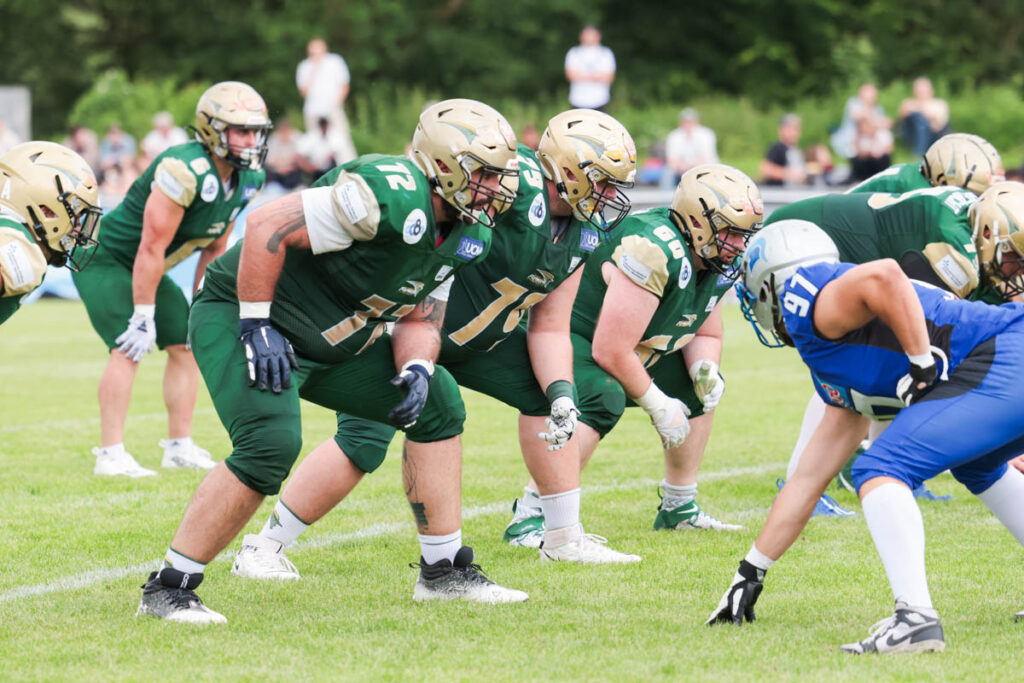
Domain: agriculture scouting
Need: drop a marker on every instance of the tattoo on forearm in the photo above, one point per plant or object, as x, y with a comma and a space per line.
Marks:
290, 218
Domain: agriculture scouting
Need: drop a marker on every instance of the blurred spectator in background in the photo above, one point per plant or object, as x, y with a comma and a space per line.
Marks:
863, 105
164, 134
651, 171
84, 141
819, 166
283, 156
924, 118
590, 68
320, 149
783, 163
323, 79
117, 179
873, 149
8, 138
117, 148
689, 144
530, 136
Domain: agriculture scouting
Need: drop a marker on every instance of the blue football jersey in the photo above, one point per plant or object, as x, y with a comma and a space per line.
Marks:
860, 371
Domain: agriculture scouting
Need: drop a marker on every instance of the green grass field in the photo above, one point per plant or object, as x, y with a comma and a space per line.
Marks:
75, 549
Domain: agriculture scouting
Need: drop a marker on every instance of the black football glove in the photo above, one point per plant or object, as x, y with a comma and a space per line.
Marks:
414, 381
270, 356
916, 383
738, 602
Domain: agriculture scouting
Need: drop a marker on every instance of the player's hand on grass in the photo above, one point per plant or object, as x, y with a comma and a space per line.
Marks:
270, 356
738, 602
414, 382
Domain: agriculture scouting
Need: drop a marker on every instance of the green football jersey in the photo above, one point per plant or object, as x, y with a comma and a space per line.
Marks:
186, 174
526, 263
649, 250
22, 264
375, 256
894, 180
927, 231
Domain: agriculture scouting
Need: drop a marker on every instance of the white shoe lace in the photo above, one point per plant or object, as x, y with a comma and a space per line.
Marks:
880, 627
269, 561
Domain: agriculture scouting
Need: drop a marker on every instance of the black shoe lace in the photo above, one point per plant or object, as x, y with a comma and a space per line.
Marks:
182, 598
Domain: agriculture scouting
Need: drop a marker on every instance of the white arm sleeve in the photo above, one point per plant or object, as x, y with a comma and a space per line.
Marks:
325, 232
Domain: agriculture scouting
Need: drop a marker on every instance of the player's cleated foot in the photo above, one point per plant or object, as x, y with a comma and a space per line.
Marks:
527, 526
263, 558
461, 580
922, 492
826, 506
170, 594
572, 544
690, 516
179, 455
111, 464
1019, 616
910, 629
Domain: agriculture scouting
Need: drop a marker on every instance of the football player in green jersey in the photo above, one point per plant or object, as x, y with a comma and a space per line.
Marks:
957, 160
647, 326
326, 270
49, 211
569, 190
187, 200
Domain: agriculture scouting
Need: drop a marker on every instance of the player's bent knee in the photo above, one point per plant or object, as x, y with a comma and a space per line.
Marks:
444, 414
263, 458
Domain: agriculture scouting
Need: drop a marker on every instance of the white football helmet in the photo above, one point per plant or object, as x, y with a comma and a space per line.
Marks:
773, 256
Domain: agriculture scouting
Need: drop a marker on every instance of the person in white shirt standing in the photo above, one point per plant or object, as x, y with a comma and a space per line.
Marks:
688, 145
590, 68
323, 79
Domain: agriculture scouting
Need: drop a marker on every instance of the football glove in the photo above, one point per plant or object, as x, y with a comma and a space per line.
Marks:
918, 382
561, 423
140, 336
708, 383
738, 602
414, 382
668, 415
270, 356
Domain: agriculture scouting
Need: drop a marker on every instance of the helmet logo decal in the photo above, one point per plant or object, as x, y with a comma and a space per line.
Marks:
594, 145
468, 132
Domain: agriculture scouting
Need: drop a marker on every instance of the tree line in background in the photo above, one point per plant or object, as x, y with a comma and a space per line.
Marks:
101, 60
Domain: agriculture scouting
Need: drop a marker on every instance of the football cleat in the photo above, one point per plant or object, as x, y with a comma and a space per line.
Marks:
112, 464
460, 580
826, 506
910, 629
178, 601
1019, 616
922, 492
527, 526
571, 544
263, 558
185, 456
689, 516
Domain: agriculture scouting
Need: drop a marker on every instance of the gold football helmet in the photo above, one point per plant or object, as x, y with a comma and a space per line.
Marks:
998, 222
232, 104
709, 200
53, 190
963, 160
591, 159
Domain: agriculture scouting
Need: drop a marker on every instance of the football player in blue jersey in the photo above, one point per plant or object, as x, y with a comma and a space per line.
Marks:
930, 357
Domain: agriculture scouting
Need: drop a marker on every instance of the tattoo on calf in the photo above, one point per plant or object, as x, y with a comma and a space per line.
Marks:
420, 513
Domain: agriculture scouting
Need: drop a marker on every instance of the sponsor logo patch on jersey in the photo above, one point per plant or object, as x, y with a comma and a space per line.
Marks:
415, 226
469, 248
837, 396
724, 281
685, 273
538, 212
588, 239
442, 273
17, 265
952, 273
200, 165
711, 304
249, 191
210, 187
574, 263
636, 270
347, 197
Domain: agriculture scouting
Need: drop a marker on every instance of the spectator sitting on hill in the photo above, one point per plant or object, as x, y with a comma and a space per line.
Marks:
689, 144
117, 148
819, 165
321, 149
862, 105
84, 141
783, 164
164, 135
874, 149
283, 163
923, 117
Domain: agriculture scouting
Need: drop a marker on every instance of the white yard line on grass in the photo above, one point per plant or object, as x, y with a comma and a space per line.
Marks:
94, 576
90, 421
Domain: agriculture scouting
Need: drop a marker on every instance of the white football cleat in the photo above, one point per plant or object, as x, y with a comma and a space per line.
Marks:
185, 456
571, 544
263, 558
112, 464
910, 629
460, 580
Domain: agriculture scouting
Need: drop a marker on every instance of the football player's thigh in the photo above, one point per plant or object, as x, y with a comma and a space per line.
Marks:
106, 290
671, 376
504, 373
171, 316
601, 397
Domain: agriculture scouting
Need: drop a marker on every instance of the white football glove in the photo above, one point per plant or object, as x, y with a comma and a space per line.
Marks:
140, 336
561, 423
708, 383
738, 602
668, 415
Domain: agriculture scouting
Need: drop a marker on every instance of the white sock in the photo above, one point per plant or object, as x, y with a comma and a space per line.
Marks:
175, 444
437, 548
676, 496
531, 498
283, 525
758, 559
561, 509
1005, 499
115, 450
813, 414
182, 563
898, 531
